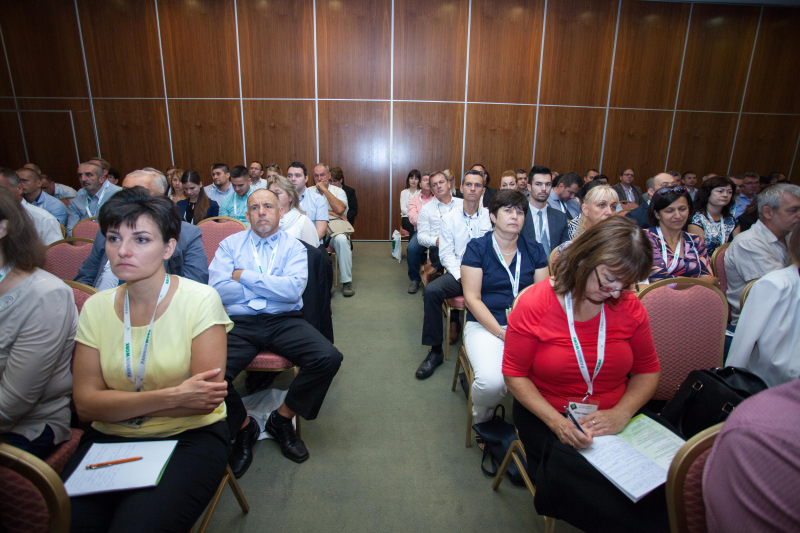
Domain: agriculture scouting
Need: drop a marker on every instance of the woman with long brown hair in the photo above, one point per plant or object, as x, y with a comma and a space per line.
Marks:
38, 318
197, 204
176, 192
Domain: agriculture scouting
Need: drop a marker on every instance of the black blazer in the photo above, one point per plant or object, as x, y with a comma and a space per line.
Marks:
317, 296
557, 227
640, 215
352, 203
212, 211
488, 194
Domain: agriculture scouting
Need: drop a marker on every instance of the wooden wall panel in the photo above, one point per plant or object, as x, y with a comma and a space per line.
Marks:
133, 133
427, 136
430, 49
355, 137
774, 85
638, 139
280, 132
12, 152
702, 142
647, 65
5, 81
354, 49
7, 103
569, 138
199, 47
51, 145
765, 144
505, 48
500, 137
578, 45
44, 48
276, 43
717, 56
205, 132
121, 43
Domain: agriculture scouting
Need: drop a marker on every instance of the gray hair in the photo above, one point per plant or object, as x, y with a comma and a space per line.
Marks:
772, 196
95, 165
327, 168
161, 179
10, 175
651, 183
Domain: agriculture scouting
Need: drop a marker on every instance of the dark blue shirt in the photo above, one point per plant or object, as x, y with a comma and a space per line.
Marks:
496, 289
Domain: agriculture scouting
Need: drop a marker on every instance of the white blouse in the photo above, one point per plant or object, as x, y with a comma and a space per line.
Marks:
299, 226
405, 196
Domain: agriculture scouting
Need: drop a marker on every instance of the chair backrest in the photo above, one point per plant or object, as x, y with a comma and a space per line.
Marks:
32, 496
687, 512
746, 293
215, 230
86, 228
688, 325
63, 230
63, 258
514, 303
65, 201
718, 266
81, 291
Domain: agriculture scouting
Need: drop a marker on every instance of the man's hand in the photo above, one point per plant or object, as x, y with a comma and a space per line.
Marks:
236, 275
321, 187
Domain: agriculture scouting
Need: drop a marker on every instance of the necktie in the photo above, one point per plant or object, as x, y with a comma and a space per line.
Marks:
542, 237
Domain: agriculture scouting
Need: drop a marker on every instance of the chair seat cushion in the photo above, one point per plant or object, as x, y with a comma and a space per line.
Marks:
58, 459
268, 361
456, 303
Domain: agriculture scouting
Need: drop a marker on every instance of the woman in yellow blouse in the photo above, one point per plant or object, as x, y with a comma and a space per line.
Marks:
169, 387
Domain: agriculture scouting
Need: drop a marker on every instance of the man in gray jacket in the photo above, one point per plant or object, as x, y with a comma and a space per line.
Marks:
95, 190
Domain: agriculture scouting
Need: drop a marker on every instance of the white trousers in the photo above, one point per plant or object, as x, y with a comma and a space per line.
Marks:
485, 352
344, 255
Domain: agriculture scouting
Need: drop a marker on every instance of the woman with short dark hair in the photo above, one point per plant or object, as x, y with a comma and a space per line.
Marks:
494, 269
675, 252
37, 334
712, 220
197, 205
584, 318
149, 365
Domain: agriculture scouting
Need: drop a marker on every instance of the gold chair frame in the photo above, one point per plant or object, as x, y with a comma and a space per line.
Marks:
71, 240
676, 477
81, 286
746, 293
223, 219
81, 221
45, 480
714, 256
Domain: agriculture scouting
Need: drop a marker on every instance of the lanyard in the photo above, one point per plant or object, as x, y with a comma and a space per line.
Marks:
515, 278
601, 344
5, 270
562, 206
139, 382
99, 199
720, 227
677, 254
258, 259
467, 221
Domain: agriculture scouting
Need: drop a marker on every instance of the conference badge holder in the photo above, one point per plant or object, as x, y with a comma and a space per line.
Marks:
580, 407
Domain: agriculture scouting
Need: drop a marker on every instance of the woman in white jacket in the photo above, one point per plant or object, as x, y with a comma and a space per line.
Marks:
412, 188
294, 220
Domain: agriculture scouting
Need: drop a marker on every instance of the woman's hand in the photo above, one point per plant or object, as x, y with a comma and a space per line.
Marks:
608, 422
199, 393
567, 433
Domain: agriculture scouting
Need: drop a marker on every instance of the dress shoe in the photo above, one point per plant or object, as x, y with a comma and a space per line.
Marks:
430, 363
292, 446
347, 289
455, 330
413, 287
242, 453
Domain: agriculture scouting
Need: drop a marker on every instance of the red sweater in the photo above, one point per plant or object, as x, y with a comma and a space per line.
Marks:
538, 346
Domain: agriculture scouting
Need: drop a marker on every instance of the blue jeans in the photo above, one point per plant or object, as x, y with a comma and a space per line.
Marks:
414, 257
41, 446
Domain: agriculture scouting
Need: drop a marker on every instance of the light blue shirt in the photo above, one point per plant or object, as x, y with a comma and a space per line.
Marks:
281, 286
571, 207
215, 194
52, 206
235, 206
82, 206
315, 205
64, 191
741, 204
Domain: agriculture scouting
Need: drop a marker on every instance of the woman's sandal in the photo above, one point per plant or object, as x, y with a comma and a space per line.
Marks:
481, 443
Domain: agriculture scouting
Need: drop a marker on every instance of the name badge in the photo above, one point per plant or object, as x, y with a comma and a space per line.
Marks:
134, 423
580, 407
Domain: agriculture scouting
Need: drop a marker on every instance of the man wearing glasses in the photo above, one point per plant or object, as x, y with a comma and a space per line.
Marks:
626, 190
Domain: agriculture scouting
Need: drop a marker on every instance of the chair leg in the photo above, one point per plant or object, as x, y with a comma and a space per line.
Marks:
237, 491
447, 332
455, 375
501, 472
297, 418
549, 524
215, 500
468, 443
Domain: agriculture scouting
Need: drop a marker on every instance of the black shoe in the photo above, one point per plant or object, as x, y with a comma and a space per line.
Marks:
430, 363
242, 453
292, 446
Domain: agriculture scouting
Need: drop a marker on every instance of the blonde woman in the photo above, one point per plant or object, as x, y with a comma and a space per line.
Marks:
508, 180
176, 193
293, 219
598, 203
451, 182
271, 171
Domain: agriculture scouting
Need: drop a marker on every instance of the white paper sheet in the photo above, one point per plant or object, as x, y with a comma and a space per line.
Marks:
134, 475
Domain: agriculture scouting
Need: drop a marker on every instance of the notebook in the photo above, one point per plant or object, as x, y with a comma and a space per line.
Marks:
637, 459
135, 475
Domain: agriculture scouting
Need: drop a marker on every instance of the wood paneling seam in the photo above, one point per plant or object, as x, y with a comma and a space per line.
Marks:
391, 123
466, 93
678, 91
164, 79
539, 87
71, 121
14, 94
316, 74
794, 158
239, 70
88, 83
610, 81
744, 92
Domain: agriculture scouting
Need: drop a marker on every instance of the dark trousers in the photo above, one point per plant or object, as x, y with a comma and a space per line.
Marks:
436, 292
408, 226
291, 337
41, 446
569, 488
190, 479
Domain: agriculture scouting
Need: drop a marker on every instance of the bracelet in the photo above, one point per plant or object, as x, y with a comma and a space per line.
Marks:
500, 333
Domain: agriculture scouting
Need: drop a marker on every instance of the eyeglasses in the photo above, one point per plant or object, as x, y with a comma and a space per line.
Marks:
676, 190
608, 289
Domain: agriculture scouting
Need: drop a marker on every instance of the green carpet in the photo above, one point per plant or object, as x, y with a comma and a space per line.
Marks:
387, 451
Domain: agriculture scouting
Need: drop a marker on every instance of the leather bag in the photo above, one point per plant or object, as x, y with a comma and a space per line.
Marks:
497, 434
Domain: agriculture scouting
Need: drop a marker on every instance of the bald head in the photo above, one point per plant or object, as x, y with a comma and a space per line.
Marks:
260, 192
264, 212
659, 181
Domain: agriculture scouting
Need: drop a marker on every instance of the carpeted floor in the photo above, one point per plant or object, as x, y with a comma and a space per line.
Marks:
387, 451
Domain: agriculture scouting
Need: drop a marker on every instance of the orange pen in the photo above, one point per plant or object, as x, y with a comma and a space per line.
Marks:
112, 463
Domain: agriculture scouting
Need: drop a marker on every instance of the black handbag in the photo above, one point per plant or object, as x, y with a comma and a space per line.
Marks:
707, 397
497, 434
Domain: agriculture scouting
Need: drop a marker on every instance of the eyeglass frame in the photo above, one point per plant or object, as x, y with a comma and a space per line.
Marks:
609, 290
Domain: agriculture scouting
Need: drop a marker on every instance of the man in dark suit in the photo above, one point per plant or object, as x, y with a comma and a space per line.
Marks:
626, 190
337, 179
488, 192
659, 181
543, 224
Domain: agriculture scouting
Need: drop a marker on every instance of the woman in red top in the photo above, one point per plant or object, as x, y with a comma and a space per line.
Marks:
542, 371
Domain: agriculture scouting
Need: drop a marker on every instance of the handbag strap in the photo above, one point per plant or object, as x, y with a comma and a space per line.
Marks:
493, 461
